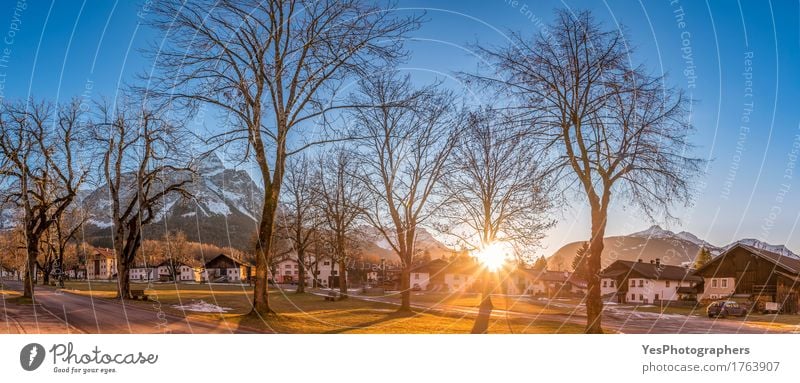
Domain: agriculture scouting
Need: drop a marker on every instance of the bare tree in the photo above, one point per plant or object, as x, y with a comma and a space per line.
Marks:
141, 164
272, 66
497, 186
39, 168
410, 134
301, 220
176, 254
614, 128
341, 196
497, 193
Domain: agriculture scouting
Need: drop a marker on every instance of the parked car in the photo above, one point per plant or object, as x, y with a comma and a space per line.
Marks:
725, 308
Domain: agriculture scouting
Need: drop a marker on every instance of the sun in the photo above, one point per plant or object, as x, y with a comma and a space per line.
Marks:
493, 255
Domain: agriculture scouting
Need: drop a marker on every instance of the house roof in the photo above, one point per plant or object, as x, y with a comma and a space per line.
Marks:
791, 264
235, 261
649, 271
104, 253
547, 275
430, 266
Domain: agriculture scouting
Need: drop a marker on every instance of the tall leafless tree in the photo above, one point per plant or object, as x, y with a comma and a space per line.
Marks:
497, 186
65, 230
142, 164
409, 135
273, 67
301, 218
615, 129
341, 197
497, 193
39, 166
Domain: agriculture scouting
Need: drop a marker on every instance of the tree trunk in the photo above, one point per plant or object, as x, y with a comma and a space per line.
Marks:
342, 278
123, 279
594, 302
481, 325
405, 288
30, 272
263, 248
46, 276
301, 275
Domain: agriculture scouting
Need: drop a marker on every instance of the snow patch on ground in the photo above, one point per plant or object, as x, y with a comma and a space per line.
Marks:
202, 306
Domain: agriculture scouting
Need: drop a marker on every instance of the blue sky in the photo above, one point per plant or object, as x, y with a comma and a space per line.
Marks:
67, 49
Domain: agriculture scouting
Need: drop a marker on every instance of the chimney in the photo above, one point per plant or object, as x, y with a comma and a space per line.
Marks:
640, 260
658, 262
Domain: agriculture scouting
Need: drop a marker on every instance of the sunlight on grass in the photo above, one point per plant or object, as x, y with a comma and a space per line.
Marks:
309, 313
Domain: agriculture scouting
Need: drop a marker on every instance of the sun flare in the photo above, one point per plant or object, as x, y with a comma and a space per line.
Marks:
493, 255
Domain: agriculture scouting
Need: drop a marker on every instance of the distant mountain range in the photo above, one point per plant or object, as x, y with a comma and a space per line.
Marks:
224, 211
671, 248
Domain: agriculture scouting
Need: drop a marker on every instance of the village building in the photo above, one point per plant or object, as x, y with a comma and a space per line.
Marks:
101, 265
223, 268
549, 283
441, 275
754, 275
143, 273
175, 271
645, 282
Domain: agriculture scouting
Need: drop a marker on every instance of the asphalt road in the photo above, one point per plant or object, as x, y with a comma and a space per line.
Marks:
105, 316
617, 320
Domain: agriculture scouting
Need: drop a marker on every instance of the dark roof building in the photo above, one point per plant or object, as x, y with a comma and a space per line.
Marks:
755, 274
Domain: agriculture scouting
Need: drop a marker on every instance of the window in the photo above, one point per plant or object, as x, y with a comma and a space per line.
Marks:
656, 297
641, 283
641, 297
612, 283
604, 283
416, 276
327, 263
713, 282
633, 283
724, 282
667, 283
633, 297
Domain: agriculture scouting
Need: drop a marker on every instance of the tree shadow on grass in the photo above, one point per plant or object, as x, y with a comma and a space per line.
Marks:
386, 318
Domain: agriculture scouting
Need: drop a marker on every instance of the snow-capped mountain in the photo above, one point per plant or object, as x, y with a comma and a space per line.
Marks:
779, 249
655, 242
656, 232
224, 209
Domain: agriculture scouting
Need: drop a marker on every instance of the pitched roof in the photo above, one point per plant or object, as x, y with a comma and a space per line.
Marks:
649, 271
790, 264
547, 275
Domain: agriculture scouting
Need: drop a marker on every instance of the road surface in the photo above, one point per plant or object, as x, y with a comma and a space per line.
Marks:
83, 314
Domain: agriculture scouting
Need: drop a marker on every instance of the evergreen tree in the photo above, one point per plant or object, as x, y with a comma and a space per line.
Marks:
579, 262
540, 264
703, 257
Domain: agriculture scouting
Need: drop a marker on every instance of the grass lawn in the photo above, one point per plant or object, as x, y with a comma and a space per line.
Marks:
521, 304
308, 313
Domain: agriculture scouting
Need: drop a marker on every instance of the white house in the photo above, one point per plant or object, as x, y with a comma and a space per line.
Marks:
143, 273
102, 264
223, 268
440, 274
328, 272
542, 282
644, 283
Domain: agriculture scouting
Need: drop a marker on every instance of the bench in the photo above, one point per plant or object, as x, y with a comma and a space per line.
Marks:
332, 296
136, 294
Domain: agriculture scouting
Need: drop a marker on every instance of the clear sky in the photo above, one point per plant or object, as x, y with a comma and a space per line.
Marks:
738, 60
